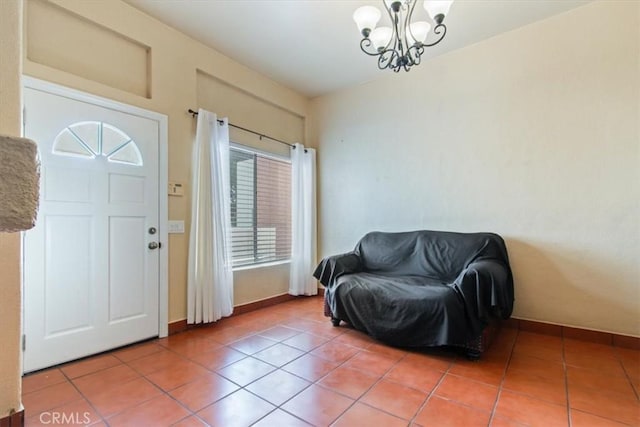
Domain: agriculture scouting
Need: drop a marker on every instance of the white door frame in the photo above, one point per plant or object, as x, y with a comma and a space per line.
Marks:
163, 180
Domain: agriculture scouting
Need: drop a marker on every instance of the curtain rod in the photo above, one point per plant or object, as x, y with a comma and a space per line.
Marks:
195, 113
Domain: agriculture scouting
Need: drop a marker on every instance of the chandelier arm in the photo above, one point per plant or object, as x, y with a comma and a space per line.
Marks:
388, 58
366, 43
437, 30
408, 24
393, 17
414, 53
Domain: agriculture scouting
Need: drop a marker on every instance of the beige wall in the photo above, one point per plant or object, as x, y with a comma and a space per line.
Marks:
533, 134
166, 70
10, 289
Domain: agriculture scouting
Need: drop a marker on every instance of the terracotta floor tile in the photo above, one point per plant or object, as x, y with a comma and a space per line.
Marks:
230, 334
482, 370
549, 389
278, 387
50, 397
498, 421
535, 366
240, 409
118, 398
374, 363
468, 392
443, 413
203, 392
350, 382
40, 380
439, 360
194, 347
175, 376
310, 367
387, 350
191, 421
279, 333
305, 341
325, 329
603, 364
583, 419
577, 347
219, 358
89, 366
161, 411
395, 399
301, 324
605, 404
280, 418
246, 371
317, 406
355, 339
156, 362
105, 380
539, 340
137, 351
414, 375
630, 361
364, 415
593, 379
530, 411
279, 354
252, 344
335, 352
540, 352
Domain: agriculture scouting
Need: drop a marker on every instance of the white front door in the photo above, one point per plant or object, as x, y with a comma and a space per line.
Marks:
91, 265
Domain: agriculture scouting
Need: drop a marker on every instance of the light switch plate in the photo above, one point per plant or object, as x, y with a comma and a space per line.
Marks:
176, 227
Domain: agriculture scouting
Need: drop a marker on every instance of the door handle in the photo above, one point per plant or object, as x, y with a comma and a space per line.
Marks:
154, 245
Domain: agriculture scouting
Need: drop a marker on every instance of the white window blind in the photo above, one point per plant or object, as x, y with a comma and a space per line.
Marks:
260, 208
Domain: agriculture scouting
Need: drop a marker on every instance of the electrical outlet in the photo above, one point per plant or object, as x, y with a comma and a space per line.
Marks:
176, 227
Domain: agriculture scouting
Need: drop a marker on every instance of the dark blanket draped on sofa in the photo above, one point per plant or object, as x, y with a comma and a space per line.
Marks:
421, 288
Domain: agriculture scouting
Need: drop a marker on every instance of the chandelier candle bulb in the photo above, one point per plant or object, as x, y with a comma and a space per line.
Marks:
366, 18
437, 9
418, 32
402, 45
380, 37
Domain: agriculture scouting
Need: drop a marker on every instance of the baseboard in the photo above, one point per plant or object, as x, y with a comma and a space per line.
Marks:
181, 325
15, 419
599, 337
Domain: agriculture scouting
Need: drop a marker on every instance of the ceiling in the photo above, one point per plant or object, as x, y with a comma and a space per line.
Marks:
312, 46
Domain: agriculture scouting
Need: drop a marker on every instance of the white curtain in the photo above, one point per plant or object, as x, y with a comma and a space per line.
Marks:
303, 221
210, 277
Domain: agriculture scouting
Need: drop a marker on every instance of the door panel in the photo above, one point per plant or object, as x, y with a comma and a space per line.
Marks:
91, 282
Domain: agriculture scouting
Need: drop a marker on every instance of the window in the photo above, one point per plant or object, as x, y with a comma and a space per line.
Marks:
260, 208
92, 139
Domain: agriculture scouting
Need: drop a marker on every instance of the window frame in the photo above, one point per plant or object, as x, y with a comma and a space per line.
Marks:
270, 155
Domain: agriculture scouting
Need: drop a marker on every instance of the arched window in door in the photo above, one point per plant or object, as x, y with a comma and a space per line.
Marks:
93, 139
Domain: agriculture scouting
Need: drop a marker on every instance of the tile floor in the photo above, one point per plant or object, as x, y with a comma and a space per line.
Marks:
287, 366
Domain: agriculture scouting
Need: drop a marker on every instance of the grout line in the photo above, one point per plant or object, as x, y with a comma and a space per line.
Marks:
566, 382
504, 376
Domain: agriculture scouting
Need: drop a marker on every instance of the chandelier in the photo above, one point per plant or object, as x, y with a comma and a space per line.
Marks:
401, 45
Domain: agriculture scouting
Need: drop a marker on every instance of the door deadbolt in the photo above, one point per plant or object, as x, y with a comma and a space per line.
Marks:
152, 230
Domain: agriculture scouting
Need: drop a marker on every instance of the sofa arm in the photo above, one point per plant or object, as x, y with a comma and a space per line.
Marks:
335, 266
486, 284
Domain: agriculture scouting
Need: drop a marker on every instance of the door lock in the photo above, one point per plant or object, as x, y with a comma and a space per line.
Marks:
152, 230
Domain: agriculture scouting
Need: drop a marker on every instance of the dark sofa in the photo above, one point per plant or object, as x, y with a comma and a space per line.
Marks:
420, 288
